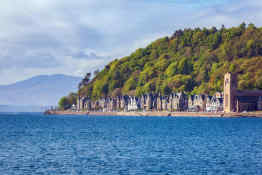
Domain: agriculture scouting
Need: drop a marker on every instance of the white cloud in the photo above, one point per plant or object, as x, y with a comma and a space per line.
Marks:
74, 37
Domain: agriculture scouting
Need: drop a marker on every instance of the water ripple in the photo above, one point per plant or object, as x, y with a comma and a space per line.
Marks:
36, 144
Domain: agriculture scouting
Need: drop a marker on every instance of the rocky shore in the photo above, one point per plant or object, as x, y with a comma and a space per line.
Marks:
164, 114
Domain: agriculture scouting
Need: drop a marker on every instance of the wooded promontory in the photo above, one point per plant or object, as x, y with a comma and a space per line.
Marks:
192, 61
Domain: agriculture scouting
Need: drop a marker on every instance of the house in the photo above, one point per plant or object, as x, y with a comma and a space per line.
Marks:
103, 104
170, 103
196, 103
149, 99
87, 104
176, 102
114, 104
179, 102
191, 107
143, 100
154, 102
81, 103
122, 103
200, 102
164, 103
159, 102
214, 104
133, 103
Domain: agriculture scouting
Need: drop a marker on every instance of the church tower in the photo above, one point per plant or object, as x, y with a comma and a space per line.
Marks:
230, 86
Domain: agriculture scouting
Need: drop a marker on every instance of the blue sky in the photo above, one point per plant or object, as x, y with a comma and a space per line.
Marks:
75, 37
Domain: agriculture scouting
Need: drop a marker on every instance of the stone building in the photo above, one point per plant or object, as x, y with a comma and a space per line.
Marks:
164, 103
197, 103
146, 102
159, 103
191, 106
170, 103
154, 102
214, 103
179, 102
238, 101
133, 103
200, 102
87, 104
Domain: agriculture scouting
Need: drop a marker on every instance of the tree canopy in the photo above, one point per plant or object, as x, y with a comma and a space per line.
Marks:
67, 101
191, 60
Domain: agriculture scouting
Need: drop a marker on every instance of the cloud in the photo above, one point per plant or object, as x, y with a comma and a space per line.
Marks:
75, 37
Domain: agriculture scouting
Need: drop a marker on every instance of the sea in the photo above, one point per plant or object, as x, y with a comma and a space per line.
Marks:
32, 143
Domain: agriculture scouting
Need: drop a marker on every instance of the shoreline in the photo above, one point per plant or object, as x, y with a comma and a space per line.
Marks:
159, 114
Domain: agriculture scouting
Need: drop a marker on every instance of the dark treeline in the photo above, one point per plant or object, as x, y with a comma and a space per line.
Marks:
193, 61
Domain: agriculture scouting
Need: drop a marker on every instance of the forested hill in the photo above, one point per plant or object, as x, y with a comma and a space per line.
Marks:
191, 60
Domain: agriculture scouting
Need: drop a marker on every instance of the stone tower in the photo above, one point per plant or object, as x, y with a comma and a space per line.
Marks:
230, 86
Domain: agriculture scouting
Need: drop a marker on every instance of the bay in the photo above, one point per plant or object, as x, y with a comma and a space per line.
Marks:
31, 143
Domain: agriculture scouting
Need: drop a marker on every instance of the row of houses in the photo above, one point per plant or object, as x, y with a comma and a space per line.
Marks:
154, 102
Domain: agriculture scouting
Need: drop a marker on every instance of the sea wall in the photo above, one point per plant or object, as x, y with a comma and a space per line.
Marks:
164, 114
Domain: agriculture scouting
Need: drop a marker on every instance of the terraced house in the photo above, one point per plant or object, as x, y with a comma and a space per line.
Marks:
231, 100
175, 102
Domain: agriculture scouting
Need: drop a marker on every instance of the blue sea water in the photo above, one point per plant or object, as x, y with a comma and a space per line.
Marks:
38, 144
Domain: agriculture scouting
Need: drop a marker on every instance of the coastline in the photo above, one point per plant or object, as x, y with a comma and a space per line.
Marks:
159, 114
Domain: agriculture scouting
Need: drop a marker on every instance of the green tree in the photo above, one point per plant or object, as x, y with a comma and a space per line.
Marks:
191, 60
64, 103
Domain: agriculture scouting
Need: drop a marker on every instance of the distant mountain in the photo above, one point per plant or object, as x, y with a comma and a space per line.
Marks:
43, 90
14, 108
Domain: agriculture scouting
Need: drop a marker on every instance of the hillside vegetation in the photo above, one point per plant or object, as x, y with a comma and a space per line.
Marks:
191, 60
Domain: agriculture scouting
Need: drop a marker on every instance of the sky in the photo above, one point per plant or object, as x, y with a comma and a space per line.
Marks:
75, 37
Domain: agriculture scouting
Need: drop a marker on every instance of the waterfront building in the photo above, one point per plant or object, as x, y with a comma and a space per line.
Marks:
122, 103
170, 103
114, 104
181, 101
154, 102
164, 103
200, 102
191, 106
236, 100
81, 103
231, 100
214, 104
133, 103
143, 102
210, 103
149, 102
87, 104
146, 102
176, 102
103, 104
159, 102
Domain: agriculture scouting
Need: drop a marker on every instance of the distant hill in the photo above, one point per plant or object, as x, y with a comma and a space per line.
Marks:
191, 60
14, 108
43, 90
